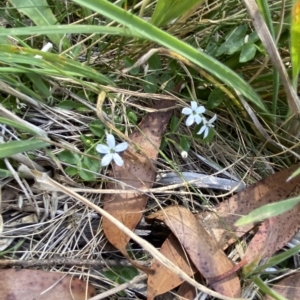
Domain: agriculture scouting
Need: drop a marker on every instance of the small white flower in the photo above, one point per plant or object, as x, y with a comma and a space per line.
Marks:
111, 150
195, 113
184, 154
206, 125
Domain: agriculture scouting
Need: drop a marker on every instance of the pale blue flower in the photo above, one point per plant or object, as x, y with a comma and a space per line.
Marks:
111, 150
207, 125
195, 113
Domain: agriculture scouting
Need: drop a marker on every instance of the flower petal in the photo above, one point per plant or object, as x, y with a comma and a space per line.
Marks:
194, 105
118, 160
106, 159
121, 147
198, 119
201, 129
206, 132
102, 149
200, 110
212, 119
187, 111
111, 142
190, 120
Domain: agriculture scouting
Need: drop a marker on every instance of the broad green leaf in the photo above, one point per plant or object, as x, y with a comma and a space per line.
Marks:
234, 41
150, 32
150, 84
97, 128
40, 13
295, 41
10, 148
247, 53
268, 211
185, 143
69, 157
168, 10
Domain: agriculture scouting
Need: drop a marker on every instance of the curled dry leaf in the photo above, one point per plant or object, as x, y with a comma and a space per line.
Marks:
203, 251
137, 172
164, 280
220, 222
288, 288
35, 284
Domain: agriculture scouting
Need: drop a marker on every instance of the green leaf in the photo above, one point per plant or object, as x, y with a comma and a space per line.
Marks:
91, 164
154, 62
174, 124
296, 173
137, 26
40, 13
130, 62
67, 104
247, 53
150, 84
268, 211
234, 41
84, 173
185, 143
69, 157
97, 128
131, 115
215, 98
10, 148
168, 10
71, 171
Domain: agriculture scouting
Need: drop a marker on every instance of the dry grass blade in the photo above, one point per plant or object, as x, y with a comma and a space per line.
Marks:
148, 247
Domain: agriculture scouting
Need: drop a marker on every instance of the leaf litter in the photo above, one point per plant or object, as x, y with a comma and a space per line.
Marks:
138, 172
203, 251
36, 284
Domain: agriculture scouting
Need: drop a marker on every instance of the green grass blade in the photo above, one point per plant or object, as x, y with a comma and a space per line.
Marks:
168, 10
40, 13
277, 259
51, 64
295, 42
68, 29
150, 32
263, 287
14, 147
268, 211
18, 126
265, 11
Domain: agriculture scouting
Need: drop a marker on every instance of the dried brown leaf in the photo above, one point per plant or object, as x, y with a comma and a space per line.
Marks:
289, 288
220, 223
207, 257
137, 172
164, 280
35, 284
